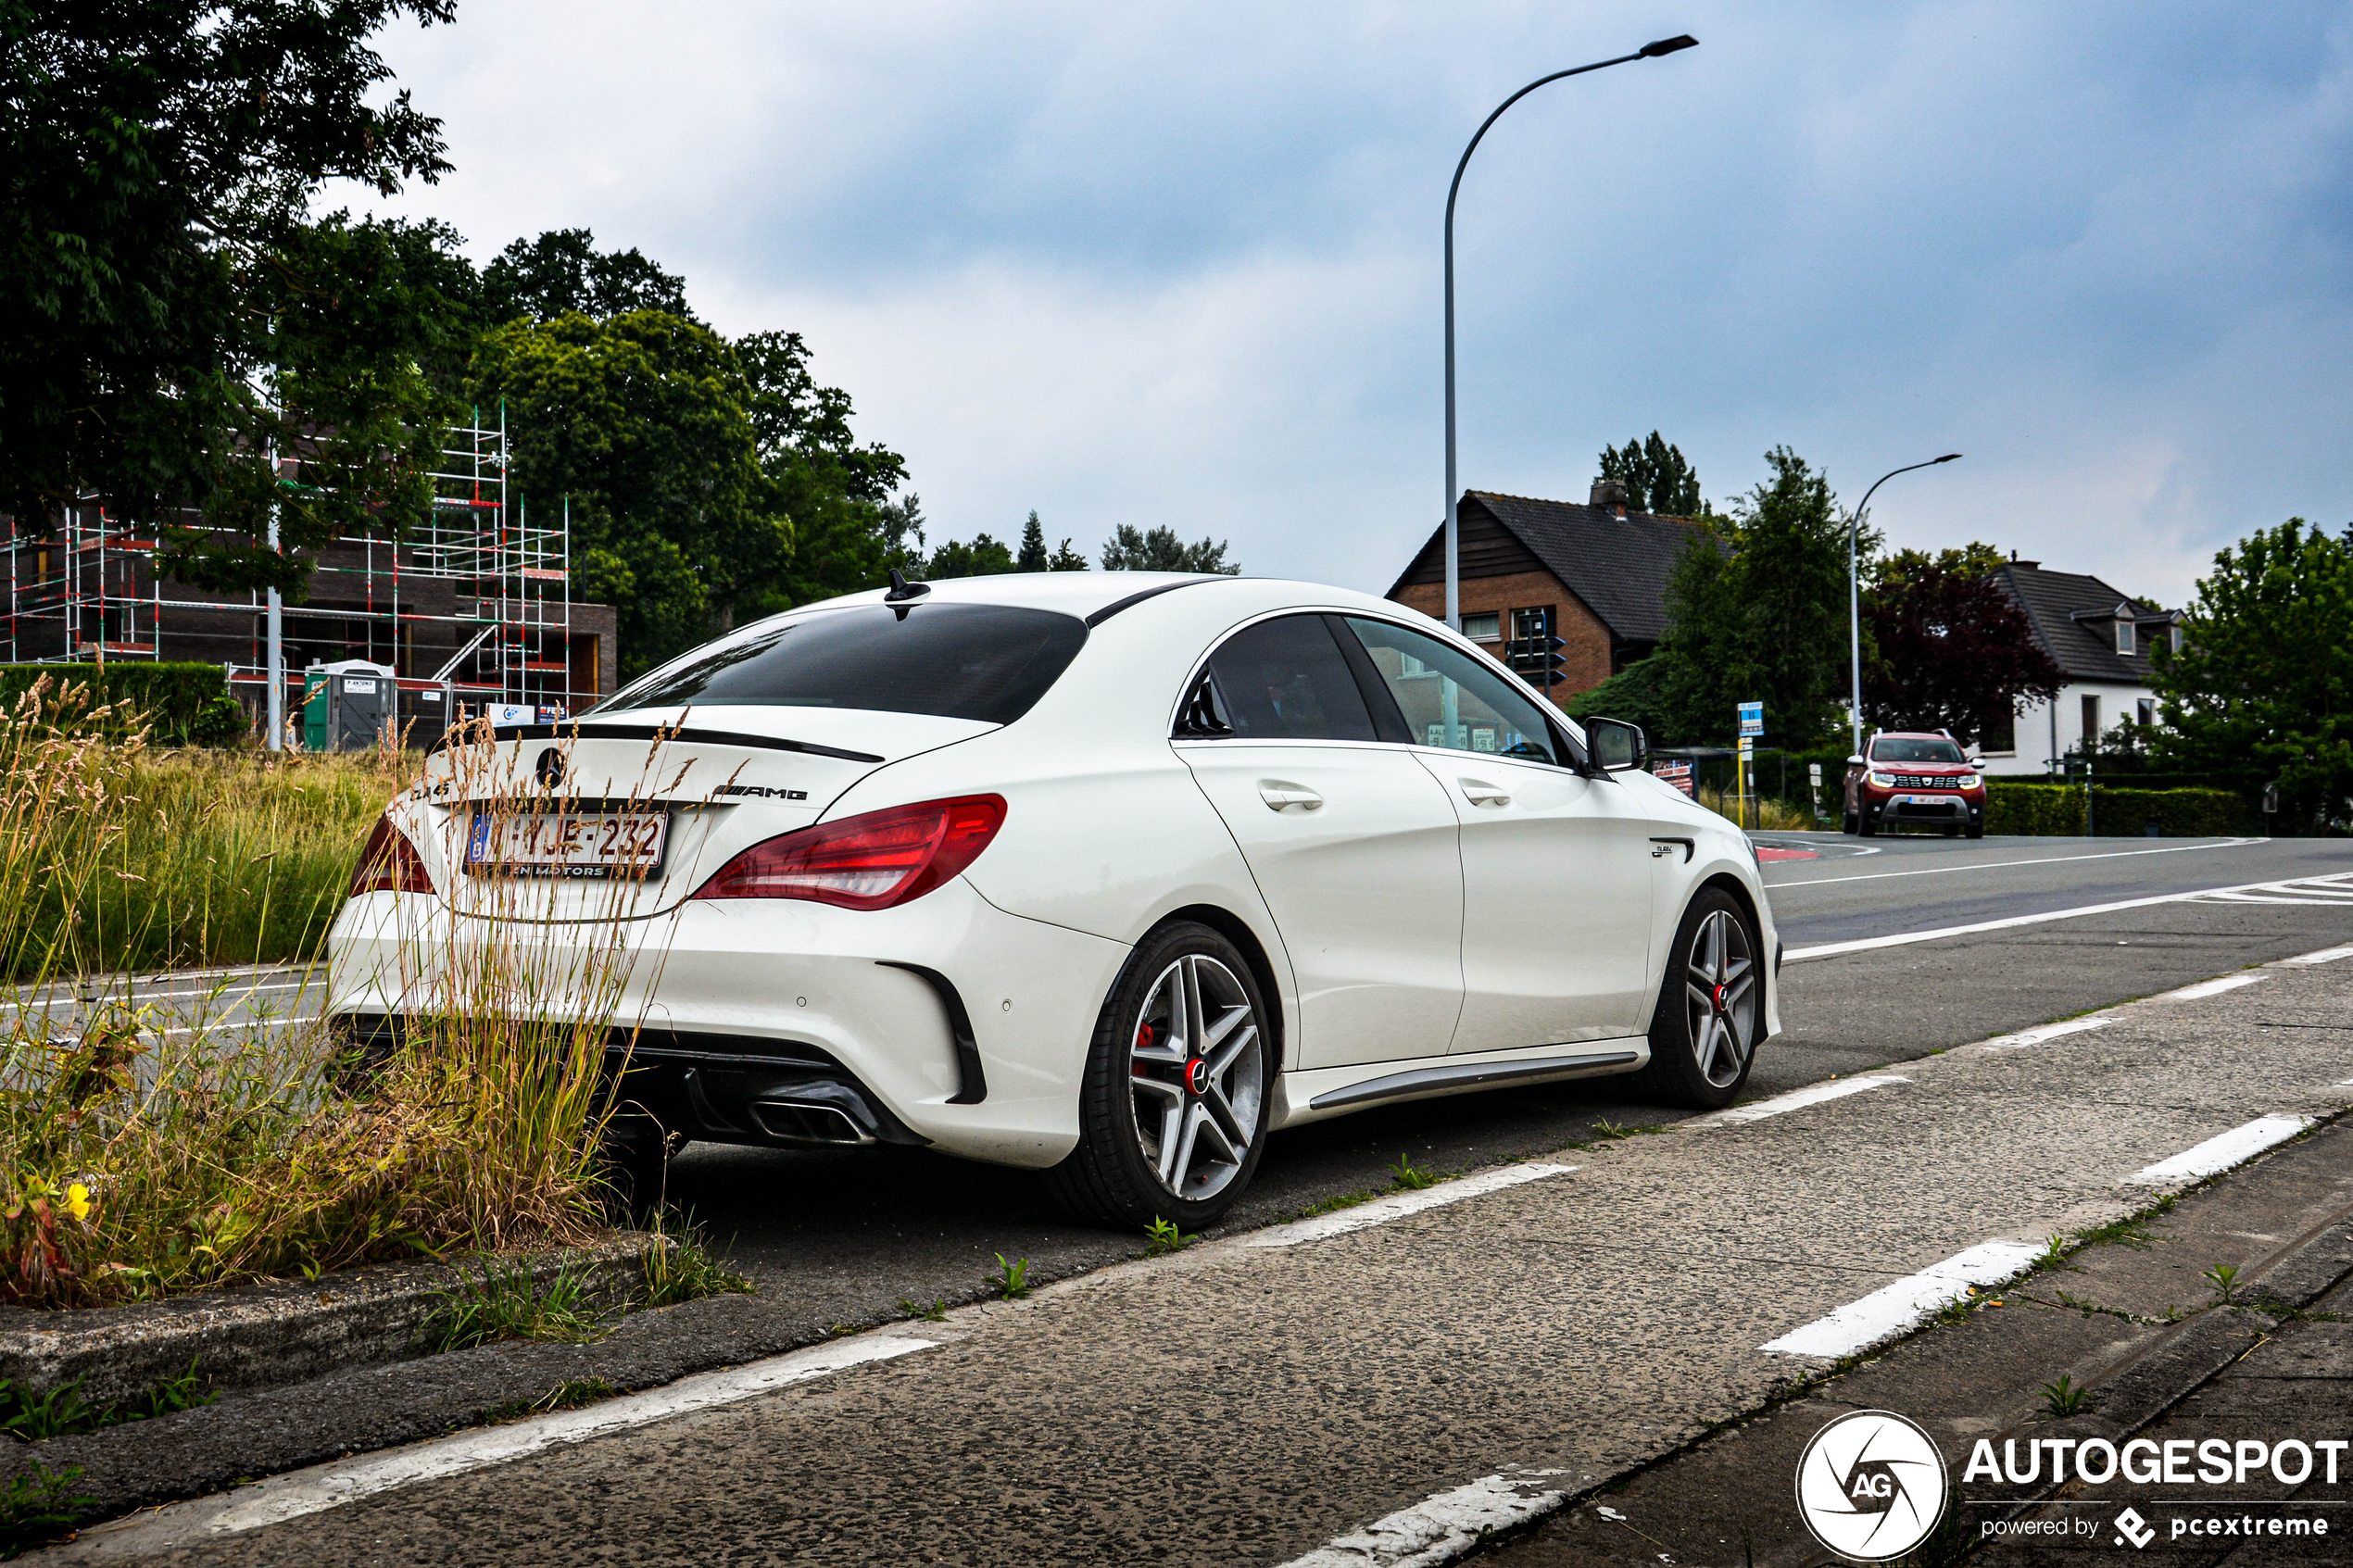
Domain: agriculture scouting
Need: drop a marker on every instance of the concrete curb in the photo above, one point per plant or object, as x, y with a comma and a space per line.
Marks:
268, 1334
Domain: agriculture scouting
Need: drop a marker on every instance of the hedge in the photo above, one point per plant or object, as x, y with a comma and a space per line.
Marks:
2116, 813
184, 703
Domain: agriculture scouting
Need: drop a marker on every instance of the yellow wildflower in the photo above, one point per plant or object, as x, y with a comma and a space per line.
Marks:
78, 1201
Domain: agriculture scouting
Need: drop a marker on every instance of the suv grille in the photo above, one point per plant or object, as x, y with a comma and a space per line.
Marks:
1925, 781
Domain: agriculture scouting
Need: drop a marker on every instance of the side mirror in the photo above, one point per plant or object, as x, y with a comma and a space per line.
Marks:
1617, 745
1856, 760
1978, 763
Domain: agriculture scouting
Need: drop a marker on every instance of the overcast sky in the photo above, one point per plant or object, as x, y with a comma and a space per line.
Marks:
1181, 264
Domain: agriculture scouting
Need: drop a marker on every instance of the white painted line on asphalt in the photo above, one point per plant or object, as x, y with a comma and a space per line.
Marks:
2048, 1031
2001, 865
2326, 954
1405, 1203
2210, 987
2220, 1153
1904, 1305
1797, 1099
330, 1486
1442, 1528
1868, 944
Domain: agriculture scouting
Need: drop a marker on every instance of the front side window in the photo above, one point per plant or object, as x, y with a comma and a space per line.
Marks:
1285, 679
988, 662
1915, 749
1451, 700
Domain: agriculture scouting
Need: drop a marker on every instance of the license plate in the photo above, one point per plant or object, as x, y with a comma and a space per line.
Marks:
1928, 800
589, 844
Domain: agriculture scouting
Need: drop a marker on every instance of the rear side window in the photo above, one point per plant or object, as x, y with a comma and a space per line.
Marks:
1286, 680
988, 662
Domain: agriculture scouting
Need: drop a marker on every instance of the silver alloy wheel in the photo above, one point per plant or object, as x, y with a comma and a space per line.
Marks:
1720, 996
1197, 1077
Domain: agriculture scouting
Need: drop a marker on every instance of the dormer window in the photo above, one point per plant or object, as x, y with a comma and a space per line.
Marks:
2123, 636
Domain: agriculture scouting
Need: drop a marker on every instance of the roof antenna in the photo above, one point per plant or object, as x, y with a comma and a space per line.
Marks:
901, 590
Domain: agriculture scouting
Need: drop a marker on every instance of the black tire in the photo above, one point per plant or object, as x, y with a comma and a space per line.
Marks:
1977, 830
1867, 825
1677, 1074
1213, 1076
1847, 824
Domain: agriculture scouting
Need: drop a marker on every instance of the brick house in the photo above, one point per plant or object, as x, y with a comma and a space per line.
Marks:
1596, 576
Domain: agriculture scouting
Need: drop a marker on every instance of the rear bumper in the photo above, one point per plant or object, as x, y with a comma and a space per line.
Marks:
943, 1022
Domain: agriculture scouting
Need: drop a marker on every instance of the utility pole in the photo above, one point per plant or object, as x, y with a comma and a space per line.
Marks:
277, 655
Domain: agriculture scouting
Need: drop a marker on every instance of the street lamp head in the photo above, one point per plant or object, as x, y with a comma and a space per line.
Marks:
1669, 46
1948, 457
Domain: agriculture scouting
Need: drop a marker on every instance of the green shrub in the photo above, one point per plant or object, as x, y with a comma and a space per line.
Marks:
2127, 813
181, 704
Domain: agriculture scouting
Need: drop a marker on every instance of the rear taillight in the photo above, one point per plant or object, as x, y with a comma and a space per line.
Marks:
390, 863
865, 862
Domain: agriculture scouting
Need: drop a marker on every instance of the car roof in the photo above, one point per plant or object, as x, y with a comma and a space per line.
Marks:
1084, 594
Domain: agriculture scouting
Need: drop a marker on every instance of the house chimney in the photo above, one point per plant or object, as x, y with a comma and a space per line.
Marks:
1610, 493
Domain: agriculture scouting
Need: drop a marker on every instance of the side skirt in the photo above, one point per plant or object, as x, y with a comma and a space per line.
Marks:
1334, 1091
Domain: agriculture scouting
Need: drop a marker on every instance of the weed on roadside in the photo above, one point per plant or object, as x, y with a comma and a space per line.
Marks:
39, 1506
1406, 1176
1333, 1205
2064, 1396
684, 1271
62, 1413
1162, 1239
510, 1304
2054, 1255
1012, 1279
936, 1313
2223, 1277
564, 1396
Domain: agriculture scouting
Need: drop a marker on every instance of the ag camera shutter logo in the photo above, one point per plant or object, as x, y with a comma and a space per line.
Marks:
1871, 1485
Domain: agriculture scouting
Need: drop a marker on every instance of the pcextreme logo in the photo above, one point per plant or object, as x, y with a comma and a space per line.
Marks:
1871, 1485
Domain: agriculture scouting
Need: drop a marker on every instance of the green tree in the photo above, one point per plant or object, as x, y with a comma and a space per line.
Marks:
1948, 648
1065, 559
1757, 610
561, 273
1034, 556
1657, 480
1132, 549
2264, 680
983, 556
163, 291
643, 422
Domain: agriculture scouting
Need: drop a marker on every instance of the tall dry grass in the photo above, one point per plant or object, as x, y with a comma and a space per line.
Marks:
139, 1160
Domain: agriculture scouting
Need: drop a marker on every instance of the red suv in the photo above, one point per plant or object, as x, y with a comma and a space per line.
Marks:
1914, 777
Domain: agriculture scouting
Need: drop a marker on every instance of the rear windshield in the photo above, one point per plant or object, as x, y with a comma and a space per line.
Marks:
1915, 751
990, 662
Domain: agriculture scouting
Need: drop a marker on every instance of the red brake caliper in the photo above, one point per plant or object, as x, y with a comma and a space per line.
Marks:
1143, 1042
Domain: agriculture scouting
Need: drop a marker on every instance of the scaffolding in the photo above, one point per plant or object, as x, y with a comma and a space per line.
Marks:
476, 599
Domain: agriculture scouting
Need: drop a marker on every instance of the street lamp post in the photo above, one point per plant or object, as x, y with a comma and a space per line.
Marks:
1854, 586
1647, 51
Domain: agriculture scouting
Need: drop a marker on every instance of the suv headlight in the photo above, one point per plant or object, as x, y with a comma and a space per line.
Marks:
1883, 781
1967, 780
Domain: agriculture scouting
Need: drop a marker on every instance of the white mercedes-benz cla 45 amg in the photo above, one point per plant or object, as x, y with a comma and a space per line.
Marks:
1111, 876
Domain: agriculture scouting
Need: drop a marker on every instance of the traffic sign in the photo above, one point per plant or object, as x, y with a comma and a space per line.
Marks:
1537, 658
1752, 718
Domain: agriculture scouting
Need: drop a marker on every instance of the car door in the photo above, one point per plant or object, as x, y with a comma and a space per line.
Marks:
1556, 863
1351, 840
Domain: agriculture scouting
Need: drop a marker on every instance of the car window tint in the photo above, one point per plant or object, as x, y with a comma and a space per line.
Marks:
1921, 750
1451, 699
1285, 680
990, 662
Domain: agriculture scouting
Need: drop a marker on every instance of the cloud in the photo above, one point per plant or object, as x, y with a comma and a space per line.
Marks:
1180, 265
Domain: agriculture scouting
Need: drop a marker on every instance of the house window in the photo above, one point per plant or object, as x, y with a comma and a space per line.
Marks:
2124, 636
2177, 636
2091, 722
2147, 712
1483, 628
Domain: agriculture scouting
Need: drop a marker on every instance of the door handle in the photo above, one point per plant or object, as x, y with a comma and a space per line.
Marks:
1479, 792
1282, 796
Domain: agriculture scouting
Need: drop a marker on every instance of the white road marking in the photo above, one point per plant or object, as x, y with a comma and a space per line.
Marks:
1444, 1528
330, 1486
2047, 1031
1896, 1308
1797, 1099
1868, 944
1405, 1203
2000, 865
2220, 1153
2326, 954
2210, 987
